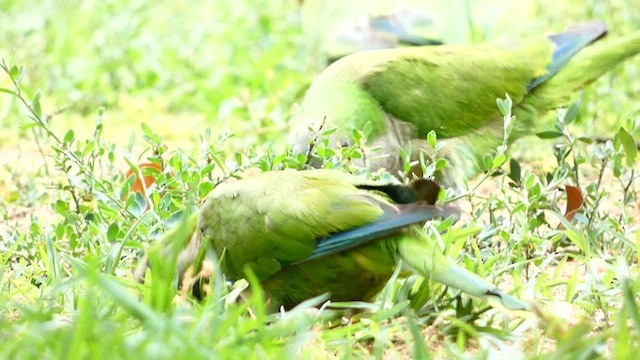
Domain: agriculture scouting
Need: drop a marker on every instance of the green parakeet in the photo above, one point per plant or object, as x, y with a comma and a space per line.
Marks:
322, 231
405, 93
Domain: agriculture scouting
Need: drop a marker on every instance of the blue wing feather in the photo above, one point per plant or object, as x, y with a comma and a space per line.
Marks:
385, 225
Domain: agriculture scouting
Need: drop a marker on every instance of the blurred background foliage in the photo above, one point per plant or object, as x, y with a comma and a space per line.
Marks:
181, 66
239, 68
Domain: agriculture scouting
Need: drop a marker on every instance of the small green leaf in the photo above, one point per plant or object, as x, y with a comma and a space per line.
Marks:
515, 171
521, 207
28, 126
366, 130
14, 72
21, 72
529, 181
572, 112
36, 104
112, 232
499, 160
89, 148
488, 162
534, 191
137, 204
59, 230
11, 92
431, 169
629, 145
68, 137
204, 188
578, 239
147, 130
502, 106
356, 135
328, 132
431, 138
207, 169
549, 134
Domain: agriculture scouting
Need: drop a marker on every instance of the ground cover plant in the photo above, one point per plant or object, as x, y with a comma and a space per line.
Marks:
205, 91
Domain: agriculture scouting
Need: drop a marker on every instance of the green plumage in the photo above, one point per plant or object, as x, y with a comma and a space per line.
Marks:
313, 232
405, 93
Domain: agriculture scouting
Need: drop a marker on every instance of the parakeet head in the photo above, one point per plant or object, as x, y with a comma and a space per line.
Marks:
344, 116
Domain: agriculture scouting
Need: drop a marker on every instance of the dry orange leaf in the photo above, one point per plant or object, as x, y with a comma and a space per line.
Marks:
148, 180
574, 201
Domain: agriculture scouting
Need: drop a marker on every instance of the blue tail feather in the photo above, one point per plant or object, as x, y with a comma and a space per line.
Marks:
567, 44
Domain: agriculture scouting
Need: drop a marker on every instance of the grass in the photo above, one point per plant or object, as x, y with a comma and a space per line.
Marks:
208, 89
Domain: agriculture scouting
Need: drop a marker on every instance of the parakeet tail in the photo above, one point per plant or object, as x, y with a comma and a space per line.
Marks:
422, 255
584, 68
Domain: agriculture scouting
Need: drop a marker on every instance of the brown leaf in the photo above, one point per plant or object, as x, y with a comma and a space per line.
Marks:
574, 201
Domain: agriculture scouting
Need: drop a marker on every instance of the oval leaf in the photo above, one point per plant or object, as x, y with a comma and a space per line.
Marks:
549, 134
629, 145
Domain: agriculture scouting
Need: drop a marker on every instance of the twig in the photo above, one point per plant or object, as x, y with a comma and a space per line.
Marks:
312, 143
599, 194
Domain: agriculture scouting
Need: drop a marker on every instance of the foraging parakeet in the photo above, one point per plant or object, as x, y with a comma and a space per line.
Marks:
312, 232
403, 94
